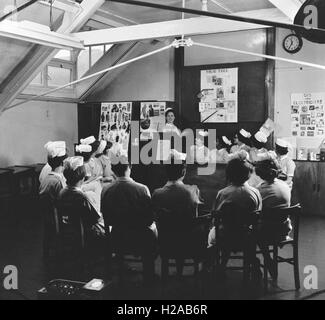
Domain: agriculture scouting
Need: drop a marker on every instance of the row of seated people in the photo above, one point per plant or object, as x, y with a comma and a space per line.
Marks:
128, 213
251, 147
97, 161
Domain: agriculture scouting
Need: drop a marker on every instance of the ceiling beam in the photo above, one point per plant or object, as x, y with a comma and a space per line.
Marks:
232, 17
174, 28
38, 34
106, 20
288, 7
43, 55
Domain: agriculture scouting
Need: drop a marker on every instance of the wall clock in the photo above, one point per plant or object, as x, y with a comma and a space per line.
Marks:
292, 43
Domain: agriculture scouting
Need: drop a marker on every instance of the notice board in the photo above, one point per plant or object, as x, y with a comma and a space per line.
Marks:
251, 92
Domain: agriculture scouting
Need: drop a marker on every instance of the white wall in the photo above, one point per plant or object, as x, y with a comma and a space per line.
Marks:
24, 131
251, 40
292, 78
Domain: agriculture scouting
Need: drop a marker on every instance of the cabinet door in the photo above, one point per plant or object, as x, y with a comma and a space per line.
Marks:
305, 186
320, 188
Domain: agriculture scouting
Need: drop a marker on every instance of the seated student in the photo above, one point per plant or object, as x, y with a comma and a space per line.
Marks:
92, 165
287, 165
73, 204
176, 207
199, 153
221, 154
257, 153
105, 160
47, 168
241, 141
276, 194
94, 171
258, 149
237, 195
117, 149
54, 182
126, 207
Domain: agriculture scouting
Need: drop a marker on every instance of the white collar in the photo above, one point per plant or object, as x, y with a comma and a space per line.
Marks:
283, 157
53, 173
172, 183
124, 179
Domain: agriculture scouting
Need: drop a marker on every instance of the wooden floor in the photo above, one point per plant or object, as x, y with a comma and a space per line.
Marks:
21, 245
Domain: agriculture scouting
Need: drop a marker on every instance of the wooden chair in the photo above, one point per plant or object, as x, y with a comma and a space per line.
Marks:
274, 245
51, 243
180, 242
235, 239
127, 245
6, 191
72, 242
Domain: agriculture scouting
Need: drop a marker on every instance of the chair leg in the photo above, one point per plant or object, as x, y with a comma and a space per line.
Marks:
120, 266
265, 276
164, 269
179, 267
275, 259
246, 264
148, 269
196, 267
296, 266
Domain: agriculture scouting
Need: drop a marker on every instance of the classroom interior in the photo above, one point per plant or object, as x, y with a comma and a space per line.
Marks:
64, 61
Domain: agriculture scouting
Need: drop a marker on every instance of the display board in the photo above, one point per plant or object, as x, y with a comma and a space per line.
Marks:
219, 95
308, 115
152, 118
251, 94
115, 124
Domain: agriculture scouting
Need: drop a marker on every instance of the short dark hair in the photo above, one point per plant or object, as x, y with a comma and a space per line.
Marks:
175, 171
268, 170
56, 162
238, 171
222, 145
244, 140
94, 147
257, 144
282, 151
74, 176
170, 111
109, 145
120, 165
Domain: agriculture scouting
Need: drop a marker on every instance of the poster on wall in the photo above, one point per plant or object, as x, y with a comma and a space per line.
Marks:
219, 96
152, 118
308, 115
115, 125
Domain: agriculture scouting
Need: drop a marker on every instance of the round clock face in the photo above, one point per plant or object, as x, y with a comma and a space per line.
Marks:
292, 43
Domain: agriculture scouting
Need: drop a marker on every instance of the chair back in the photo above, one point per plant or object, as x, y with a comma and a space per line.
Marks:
71, 226
177, 237
236, 219
280, 216
49, 214
235, 227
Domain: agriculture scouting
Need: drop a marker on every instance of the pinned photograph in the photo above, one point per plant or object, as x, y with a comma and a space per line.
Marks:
294, 109
220, 93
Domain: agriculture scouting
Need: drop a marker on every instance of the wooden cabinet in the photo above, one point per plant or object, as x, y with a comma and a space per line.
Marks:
6, 191
321, 189
309, 187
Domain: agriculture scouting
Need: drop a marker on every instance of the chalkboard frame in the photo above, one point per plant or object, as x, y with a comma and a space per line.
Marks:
252, 92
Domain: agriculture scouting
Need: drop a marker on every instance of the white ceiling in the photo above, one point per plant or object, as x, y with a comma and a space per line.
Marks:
147, 15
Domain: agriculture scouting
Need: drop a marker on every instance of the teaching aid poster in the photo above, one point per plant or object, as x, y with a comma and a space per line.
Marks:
219, 96
308, 115
115, 125
152, 118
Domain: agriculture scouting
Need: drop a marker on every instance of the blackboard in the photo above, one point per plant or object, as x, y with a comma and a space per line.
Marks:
252, 107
